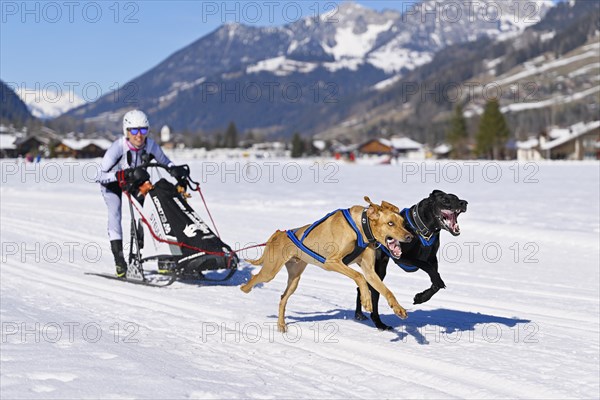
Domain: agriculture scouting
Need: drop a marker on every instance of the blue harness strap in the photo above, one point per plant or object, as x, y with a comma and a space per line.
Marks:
292, 235
359, 238
300, 242
406, 214
315, 224
406, 268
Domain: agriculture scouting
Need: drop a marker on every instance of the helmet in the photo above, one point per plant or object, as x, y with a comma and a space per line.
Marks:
135, 119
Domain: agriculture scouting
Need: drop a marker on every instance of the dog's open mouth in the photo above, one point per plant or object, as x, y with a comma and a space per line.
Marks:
394, 246
450, 221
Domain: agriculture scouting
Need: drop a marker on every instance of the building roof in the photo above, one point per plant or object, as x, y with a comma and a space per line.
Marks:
528, 144
403, 143
78, 144
40, 139
7, 141
580, 128
443, 148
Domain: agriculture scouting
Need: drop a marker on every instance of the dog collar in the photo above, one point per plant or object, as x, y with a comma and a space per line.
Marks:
366, 228
420, 226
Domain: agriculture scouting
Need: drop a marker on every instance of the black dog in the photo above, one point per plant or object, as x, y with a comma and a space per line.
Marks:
424, 220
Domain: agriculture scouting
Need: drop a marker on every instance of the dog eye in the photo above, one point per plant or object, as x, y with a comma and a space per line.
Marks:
390, 223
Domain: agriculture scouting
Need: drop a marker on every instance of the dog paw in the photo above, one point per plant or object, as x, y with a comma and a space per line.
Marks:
245, 288
383, 327
282, 328
400, 311
367, 304
418, 299
359, 316
425, 295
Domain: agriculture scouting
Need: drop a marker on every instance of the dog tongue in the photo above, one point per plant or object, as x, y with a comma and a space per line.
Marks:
395, 249
451, 217
453, 223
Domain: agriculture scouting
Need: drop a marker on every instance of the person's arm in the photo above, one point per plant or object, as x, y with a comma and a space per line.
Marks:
111, 158
159, 155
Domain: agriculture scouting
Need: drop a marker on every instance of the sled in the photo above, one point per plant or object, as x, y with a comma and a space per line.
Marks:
168, 240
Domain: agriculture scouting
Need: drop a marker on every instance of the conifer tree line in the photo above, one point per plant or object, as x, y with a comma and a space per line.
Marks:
491, 137
230, 139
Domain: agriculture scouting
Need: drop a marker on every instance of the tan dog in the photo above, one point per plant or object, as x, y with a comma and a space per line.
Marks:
335, 239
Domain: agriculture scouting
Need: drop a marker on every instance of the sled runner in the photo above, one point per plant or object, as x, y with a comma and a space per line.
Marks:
169, 241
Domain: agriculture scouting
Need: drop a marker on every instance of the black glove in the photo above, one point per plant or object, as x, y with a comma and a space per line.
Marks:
139, 176
179, 171
130, 178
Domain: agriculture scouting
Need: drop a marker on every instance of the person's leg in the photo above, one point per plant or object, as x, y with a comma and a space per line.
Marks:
112, 198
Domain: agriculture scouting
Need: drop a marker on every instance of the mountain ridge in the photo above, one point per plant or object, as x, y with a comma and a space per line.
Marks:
396, 109
13, 109
188, 90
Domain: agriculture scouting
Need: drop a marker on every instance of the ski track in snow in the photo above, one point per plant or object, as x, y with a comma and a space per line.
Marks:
505, 328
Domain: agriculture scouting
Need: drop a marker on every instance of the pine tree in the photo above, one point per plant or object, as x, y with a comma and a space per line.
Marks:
458, 135
493, 131
298, 146
231, 136
218, 140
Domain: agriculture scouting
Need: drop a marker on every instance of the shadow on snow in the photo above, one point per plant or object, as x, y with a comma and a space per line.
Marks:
422, 323
241, 276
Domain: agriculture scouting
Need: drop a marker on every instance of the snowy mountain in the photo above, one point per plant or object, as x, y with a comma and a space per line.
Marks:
48, 104
238, 72
546, 75
13, 109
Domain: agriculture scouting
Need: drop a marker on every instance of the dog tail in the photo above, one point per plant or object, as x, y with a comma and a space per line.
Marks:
258, 261
268, 247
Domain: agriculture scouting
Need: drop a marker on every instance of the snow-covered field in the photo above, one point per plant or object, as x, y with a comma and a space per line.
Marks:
519, 318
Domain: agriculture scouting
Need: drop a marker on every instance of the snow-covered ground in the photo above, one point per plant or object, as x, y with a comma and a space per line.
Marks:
519, 318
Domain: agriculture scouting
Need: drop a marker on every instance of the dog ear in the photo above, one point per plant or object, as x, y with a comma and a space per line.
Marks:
436, 193
373, 212
390, 206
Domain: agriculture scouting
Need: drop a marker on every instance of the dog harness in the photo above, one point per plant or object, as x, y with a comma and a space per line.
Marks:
426, 237
360, 246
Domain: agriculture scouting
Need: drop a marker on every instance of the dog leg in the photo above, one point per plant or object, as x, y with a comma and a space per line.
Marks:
367, 265
358, 314
374, 280
381, 261
357, 277
375, 313
295, 268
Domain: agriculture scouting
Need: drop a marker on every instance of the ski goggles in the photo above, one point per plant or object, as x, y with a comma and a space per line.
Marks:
136, 131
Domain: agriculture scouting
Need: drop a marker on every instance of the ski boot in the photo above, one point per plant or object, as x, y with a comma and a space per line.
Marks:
166, 267
121, 265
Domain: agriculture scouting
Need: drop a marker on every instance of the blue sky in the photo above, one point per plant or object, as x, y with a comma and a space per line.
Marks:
95, 47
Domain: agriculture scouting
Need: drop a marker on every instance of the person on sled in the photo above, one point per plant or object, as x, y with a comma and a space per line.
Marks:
118, 172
